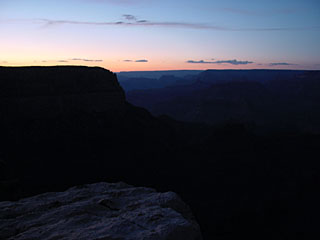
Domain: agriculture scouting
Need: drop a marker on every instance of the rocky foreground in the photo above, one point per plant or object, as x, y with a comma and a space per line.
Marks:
108, 211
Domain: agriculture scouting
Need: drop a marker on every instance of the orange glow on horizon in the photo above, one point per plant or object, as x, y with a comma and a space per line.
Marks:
119, 66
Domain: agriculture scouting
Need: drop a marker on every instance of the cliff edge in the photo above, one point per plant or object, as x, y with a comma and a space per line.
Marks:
51, 91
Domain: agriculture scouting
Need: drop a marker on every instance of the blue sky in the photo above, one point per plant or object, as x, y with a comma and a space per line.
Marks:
153, 35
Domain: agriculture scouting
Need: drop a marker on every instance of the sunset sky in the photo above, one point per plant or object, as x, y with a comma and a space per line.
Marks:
129, 35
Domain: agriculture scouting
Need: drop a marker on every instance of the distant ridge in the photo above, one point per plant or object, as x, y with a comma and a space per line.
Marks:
158, 74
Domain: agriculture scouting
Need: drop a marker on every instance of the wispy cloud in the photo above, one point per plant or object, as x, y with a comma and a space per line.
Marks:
200, 61
232, 62
86, 60
137, 61
133, 21
141, 23
281, 64
72, 59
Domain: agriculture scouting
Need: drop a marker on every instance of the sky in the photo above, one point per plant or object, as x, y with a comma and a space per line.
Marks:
140, 35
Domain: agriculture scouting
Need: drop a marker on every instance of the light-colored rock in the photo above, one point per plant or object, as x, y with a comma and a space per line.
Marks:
104, 211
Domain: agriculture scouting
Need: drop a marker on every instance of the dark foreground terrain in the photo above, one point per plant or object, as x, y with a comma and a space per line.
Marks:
62, 126
99, 211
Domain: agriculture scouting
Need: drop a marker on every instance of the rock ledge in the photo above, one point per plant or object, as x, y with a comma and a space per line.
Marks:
105, 211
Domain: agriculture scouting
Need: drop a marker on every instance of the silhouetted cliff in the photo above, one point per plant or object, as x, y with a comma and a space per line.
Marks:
68, 125
50, 91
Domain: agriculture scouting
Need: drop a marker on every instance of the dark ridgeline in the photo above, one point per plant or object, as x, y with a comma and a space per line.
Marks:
156, 79
62, 126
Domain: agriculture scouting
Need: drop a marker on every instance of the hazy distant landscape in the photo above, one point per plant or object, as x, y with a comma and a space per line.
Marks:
277, 100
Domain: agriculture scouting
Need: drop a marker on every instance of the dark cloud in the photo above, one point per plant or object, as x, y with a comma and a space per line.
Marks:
138, 61
200, 61
233, 62
86, 60
62, 61
281, 64
132, 18
129, 17
141, 61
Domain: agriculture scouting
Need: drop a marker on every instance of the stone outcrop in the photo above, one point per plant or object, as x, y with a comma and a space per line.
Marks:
99, 211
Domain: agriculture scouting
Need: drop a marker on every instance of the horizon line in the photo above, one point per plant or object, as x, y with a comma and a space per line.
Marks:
166, 70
